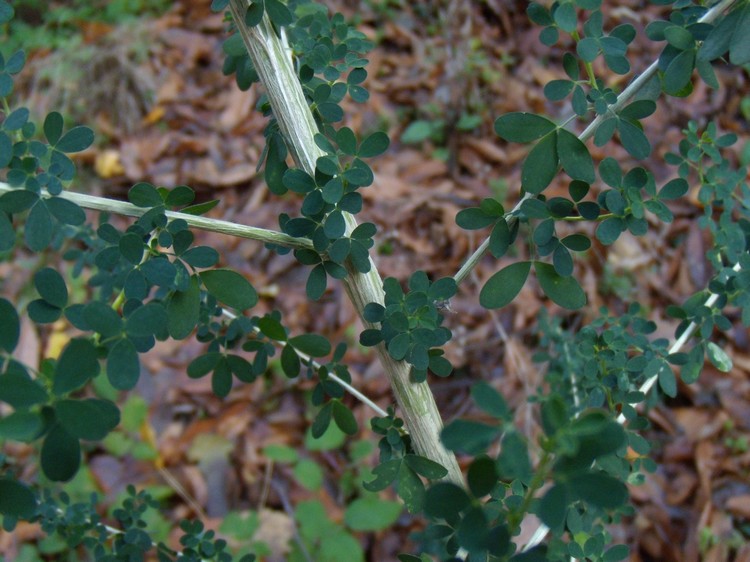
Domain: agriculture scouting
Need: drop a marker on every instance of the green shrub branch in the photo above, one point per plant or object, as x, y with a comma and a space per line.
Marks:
626, 95
208, 224
273, 63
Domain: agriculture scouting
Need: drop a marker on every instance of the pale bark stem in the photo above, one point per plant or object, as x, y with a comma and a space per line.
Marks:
273, 63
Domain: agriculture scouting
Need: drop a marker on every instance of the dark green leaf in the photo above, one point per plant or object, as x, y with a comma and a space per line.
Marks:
101, 318
91, 419
513, 462
474, 218
311, 344
203, 364
472, 532
575, 157
588, 49
523, 127
364, 231
374, 145
562, 261
633, 140
230, 288
6, 150
482, 476
10, 326
7, 233
468, 436
553, 507
410, 488
674, 189
272, 328
132, 247
61, 454
344, 418
66, 211
445, 500
316, 282
564, 291
51, 287
147, 320
500, 239
489, 400
739, 49
183, 309
503, 286
638, 110
678, 73
385, 473
77, 139
254, 14
290, 362
16, 119
346, 140
557, 90
609, 230
370, 337
565, 17
668, 382
78, 363
539, 14
540, 166
200, 208
221, 379
398, 347
278, 13
21, 391
123, 365
321, 423
144, 195
201, 256
442, 289
599, 489
679, 37
38, 230
333, 191
720, 37
331, 112
53, 126
16, 499
425, 467
179, 196
576, 242
41, 312
298, 181
605, 131
335, 225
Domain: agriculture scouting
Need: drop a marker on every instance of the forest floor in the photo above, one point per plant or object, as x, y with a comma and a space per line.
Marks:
164, 113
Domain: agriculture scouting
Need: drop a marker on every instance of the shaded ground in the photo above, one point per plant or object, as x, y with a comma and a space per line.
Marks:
167, 115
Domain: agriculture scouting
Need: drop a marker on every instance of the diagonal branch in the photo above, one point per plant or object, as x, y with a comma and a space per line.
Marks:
273, 63
201, 223
542, 530
626, 95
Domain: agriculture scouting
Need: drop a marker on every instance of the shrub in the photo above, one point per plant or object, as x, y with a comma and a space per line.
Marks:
149, 282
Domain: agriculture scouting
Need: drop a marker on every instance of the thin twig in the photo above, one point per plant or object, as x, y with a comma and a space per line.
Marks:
315, 365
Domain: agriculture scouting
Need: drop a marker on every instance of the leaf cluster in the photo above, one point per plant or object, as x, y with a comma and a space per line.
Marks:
411, 323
